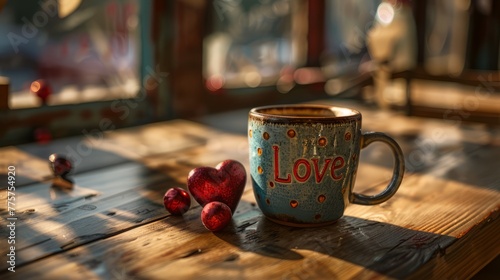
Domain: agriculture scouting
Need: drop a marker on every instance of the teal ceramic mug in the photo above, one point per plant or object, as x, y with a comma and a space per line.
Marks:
303, 162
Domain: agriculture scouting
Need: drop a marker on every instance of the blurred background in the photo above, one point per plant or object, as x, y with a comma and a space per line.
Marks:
133, 62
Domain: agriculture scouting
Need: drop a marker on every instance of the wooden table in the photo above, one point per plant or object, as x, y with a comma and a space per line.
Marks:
443, 221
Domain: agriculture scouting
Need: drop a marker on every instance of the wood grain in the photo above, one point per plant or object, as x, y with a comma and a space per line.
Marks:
442, 223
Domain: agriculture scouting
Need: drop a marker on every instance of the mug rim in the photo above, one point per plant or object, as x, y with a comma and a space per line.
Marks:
259, 113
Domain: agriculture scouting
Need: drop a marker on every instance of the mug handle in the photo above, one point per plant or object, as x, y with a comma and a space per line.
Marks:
397, 175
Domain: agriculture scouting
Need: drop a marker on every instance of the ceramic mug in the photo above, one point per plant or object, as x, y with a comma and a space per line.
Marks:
303, 162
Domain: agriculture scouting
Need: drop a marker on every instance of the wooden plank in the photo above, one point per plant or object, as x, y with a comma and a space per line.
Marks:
102, 203
98, 149
476, 98
52, 218
367, 242
479, 247
29, 169
428, 223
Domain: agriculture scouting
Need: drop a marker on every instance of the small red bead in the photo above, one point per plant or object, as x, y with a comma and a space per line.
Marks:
216, 215
41, 89
60, 165
176, 201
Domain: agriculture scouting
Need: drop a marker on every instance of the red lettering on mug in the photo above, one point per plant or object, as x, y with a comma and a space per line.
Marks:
319, 175
277, 178
338, 163
296, 174
335, 164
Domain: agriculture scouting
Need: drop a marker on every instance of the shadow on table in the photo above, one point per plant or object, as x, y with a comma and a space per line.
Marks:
385, 248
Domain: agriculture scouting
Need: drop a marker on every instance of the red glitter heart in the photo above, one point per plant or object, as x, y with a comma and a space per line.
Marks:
224, 183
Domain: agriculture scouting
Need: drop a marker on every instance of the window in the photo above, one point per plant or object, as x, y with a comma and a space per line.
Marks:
254, 43
87, 51
96, 58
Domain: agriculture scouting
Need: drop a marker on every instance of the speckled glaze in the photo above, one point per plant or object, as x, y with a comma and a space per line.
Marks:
303, 162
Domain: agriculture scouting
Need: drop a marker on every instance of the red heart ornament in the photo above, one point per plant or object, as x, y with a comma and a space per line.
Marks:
224, 183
